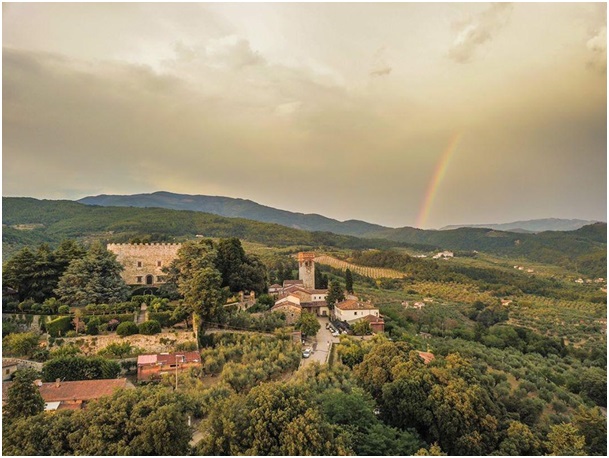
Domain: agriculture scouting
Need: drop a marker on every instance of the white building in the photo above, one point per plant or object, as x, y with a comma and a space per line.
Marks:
353, 310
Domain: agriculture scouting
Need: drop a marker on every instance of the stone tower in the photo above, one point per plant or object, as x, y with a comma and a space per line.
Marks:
306, 269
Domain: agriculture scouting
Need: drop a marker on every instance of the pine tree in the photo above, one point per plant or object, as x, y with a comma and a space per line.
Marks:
94, 279
336, 294
349, 281
24, 399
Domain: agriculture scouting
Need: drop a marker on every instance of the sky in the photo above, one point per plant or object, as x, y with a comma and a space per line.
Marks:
398, 114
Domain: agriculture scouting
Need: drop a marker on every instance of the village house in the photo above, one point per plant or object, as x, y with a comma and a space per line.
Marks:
444, 255
152, 367
298, 295
74, 395
352, 311
9, 367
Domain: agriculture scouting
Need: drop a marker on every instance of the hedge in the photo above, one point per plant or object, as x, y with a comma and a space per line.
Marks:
164, 318
127, 328
149, 328
59, 326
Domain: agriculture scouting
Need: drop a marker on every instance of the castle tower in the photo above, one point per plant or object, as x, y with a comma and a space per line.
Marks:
306, 269
144, 262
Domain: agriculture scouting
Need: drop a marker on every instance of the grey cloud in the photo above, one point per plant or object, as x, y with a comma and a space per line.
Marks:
477, 31
381, 71
597, 45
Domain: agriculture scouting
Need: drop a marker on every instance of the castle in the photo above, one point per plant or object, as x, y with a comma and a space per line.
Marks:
144, 262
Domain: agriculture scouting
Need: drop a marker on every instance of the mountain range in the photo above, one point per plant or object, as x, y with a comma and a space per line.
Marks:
243, 208
28, 221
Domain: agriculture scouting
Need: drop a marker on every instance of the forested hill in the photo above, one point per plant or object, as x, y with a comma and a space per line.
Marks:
30, 221
235, 208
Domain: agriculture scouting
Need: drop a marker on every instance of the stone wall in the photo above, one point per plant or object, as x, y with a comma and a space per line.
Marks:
143, 262
159, 343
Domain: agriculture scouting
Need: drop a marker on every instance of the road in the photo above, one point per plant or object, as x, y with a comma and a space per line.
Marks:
320, 344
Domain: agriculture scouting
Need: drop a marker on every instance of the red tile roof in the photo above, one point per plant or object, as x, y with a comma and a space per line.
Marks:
169, 358
373, 319
352, 304
426, 356
81, 390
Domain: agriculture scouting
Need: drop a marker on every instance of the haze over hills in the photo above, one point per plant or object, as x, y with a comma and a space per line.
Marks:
244, 208
534, 225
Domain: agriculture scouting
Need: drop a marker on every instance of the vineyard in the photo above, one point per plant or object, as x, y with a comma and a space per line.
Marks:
454, 292
365, 271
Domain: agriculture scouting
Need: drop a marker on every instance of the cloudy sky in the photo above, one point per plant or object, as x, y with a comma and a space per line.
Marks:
398, 114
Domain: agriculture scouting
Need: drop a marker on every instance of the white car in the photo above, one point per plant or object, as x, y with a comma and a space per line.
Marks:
335, 334
306, 353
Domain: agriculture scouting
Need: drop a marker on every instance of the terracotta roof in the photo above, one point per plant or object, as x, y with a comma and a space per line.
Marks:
169, 358
372, 319
81, 390
283, 304
314, 304
426, 356
355, 305
275, 286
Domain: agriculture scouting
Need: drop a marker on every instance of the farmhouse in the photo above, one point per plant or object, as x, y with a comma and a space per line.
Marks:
152, 367
8, 368
353, 310
75, 395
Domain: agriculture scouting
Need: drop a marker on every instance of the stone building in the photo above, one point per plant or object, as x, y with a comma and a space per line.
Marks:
306, 269
144, 262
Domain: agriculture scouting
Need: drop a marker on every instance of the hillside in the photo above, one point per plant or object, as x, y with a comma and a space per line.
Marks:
57, 220
534, 225
583, 250
234, 208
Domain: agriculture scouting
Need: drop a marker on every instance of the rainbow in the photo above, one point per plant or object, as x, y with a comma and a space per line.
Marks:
436, 179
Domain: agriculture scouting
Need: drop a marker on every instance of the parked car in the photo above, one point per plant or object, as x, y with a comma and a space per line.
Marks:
306, 353
335, 334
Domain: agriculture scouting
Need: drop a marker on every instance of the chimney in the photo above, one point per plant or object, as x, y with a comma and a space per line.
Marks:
57, 382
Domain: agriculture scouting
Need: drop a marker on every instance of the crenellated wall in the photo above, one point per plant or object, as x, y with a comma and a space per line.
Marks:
143, 262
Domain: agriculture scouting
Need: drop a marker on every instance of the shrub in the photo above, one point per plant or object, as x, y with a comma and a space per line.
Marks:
79, 368
149, 327
21, 344
71, 334
59, 326
127, 328
164, 318
93, 326
186, 346
116, 350
63, 310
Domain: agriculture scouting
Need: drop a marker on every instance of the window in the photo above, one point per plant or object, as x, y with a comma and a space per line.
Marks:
158, 263
139, 279
355, 313
139, 263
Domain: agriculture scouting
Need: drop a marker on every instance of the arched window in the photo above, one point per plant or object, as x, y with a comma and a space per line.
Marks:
149, 279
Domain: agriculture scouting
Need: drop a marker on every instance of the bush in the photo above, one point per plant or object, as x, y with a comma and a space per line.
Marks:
127, 328
149, 327
22, 344
79, 368
93, 326
59, 326
186, 346
63, 310
164, 318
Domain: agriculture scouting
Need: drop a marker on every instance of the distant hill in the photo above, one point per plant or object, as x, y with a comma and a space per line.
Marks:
54, 220
29, 221
533, 225
235, 208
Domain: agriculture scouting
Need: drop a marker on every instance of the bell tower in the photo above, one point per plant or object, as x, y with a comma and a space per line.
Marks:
306, 269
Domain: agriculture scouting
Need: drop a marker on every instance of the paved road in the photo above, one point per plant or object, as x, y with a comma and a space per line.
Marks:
320, 344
